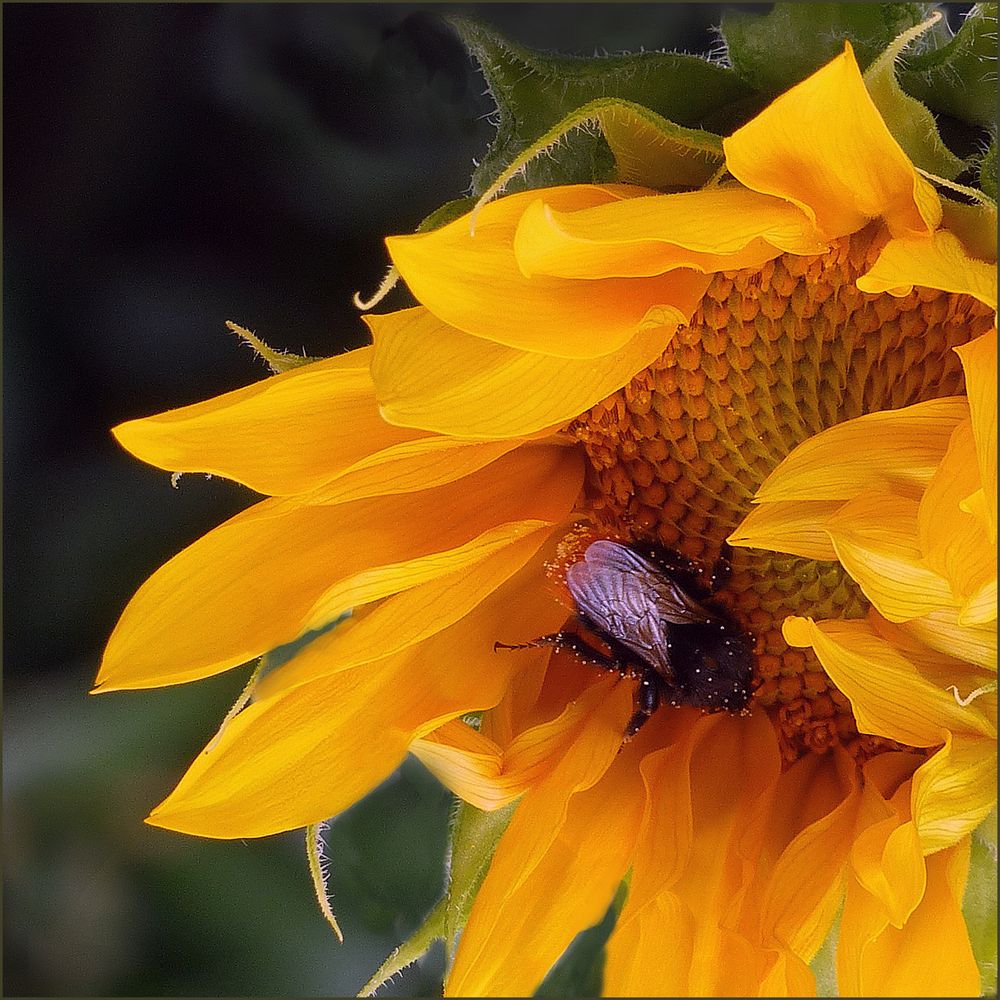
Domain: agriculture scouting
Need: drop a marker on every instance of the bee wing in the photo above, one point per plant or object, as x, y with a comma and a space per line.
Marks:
620, 606
672, 603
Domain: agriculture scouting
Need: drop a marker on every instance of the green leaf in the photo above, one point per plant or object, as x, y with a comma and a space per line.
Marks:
580, 971
773, 51
475, 834
416, 946
910, 122
535, 92
647, 149
959, 77
980, 903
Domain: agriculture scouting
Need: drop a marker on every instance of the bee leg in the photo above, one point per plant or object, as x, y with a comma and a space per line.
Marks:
575, 644
647, 701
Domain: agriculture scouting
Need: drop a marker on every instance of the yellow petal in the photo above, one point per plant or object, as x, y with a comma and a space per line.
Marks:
981, 607
433, 376
824, 147
407, 618
560, 861
271, 573
473, 283
975, 504
710, 230
794, 526
875, 537
804, 889
282, 435
638, 964
937, 260
707, 797
885, 852
310, 752
410, 466
470, 764
897, 451
944, 668
954, 791
941, 630
889, 695
888, 861
478, 771
929, 956
953, 541
979, 359
788, 977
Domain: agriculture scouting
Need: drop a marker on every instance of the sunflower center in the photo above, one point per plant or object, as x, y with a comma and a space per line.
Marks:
771, 357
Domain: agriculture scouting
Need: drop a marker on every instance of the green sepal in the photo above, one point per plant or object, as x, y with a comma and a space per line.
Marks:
448, 212
910, 122
646, 148
535, 92
414, 947
824, 962
986, 166
980, 904
475, 834
278, 361
974, 224
580, 971
473, 841
774, 51
959, 78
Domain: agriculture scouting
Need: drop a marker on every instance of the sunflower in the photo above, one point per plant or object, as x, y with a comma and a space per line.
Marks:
796, 366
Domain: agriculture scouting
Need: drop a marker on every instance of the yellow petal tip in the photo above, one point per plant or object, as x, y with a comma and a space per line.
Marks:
796, 630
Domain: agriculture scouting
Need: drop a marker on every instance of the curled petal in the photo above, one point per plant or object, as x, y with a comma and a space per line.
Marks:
875, 537
479, 771
560, 861
433, 376
979, 359
894, 451
472, 281
888, 860
889, 695
943, 631
877, 959
824, 146
952, 541
816, 809
710, 230
708, 795
937, 260
954, 791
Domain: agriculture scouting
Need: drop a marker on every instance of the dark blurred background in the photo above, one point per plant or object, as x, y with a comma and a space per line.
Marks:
168, 167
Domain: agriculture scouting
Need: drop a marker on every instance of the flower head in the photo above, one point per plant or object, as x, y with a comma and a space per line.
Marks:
794, 370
